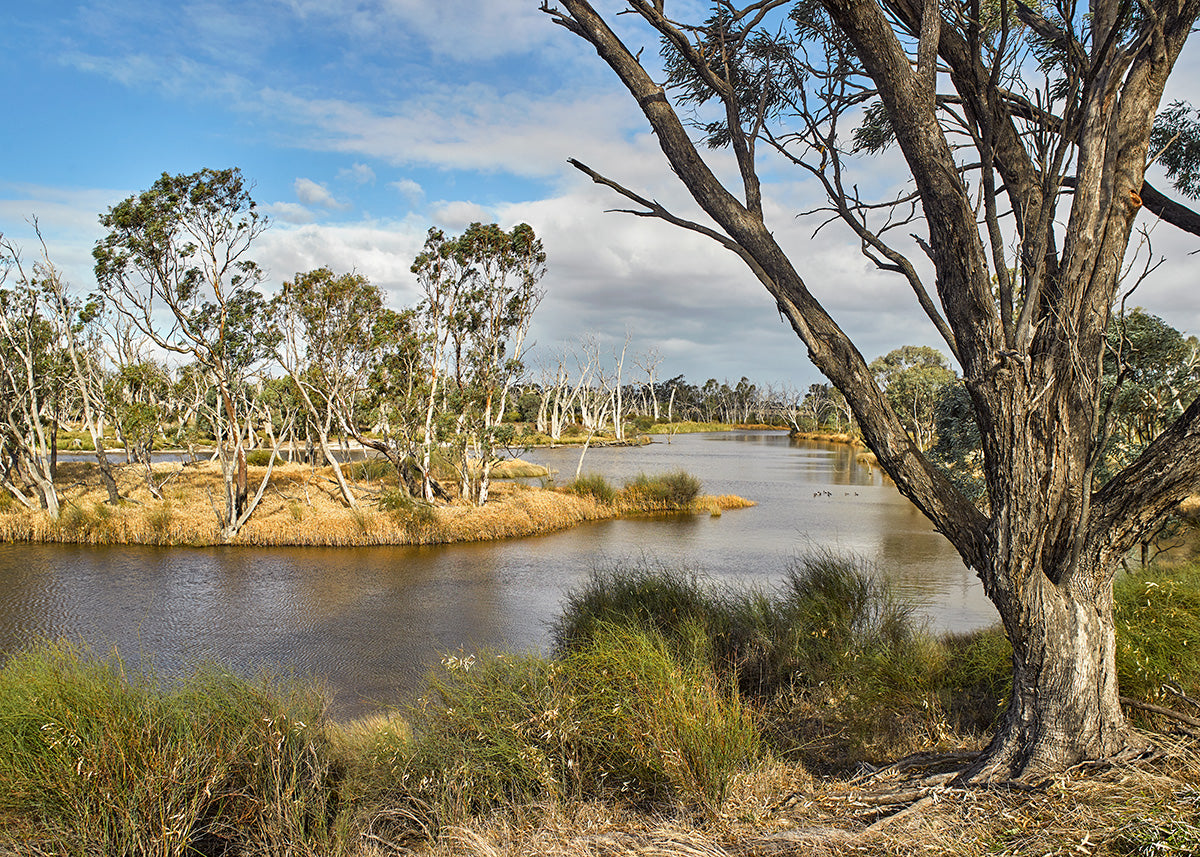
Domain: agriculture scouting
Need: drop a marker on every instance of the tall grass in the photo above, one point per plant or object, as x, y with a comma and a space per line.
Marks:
1157, 615
835, 663
663, 688
829, 620
95, 759
593, 485
668, 492
619, 717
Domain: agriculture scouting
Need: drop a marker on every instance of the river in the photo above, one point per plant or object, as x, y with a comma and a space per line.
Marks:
369, 622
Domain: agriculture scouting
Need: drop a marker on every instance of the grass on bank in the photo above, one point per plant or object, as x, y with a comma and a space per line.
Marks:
668, 699
302, 505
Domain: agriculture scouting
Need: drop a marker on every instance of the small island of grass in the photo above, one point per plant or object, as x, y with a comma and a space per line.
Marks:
302, 505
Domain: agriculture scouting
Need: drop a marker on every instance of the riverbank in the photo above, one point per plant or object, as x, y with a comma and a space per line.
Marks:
637, 736
302, 505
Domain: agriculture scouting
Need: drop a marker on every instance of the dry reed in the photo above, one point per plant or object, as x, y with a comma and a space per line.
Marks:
301, 506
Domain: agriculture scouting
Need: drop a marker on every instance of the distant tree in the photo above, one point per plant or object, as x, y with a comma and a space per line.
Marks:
136, 398
481, 290
400, 397
175, 263
78, 324
325, 331
1151, 375
912, 377
30, 377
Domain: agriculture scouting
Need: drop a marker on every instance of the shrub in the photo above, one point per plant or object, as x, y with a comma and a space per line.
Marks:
595, 486
618, 717
258, 457
642, 595
674, 491
405, 509
373, 469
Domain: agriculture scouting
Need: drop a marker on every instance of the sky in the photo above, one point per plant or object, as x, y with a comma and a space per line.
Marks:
363, 123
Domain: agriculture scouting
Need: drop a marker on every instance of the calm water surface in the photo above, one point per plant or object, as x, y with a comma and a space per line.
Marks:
371, 621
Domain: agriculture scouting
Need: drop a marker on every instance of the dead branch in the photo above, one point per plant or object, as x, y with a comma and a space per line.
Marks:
1160, 709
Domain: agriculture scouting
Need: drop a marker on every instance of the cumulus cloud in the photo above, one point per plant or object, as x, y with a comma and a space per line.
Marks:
289, 212
473, 126
315, 193
409, 189
459, 214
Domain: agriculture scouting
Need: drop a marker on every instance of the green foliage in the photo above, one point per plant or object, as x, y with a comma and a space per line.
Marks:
912, 377
97, 760
1176, 135
404, 508
975, 679
374, 469
830, 622
595, 486
619, 717
669, 492
958, 450
1150, 377
258, 457
643, 595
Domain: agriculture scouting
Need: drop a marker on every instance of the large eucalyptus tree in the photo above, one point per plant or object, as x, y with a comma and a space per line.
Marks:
175, 263
1025, 130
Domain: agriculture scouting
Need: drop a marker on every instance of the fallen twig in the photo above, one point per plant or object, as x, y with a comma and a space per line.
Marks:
1160, 709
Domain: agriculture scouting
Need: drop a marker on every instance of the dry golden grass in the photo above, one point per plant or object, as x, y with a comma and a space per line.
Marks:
301, 506
780, 809
828, 437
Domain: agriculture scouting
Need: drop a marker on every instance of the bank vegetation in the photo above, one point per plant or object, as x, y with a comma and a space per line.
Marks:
303, 505
673, 717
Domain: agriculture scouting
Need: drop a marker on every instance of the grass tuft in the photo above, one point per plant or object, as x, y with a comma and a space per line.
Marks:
670, 492
595, 486
618, 718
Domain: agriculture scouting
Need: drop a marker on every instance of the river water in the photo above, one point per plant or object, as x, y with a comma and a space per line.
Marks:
370, 622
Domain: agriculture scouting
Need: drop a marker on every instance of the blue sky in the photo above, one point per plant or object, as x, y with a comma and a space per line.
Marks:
364, 122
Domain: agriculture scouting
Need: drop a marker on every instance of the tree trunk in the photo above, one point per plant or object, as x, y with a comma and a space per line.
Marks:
1064, 706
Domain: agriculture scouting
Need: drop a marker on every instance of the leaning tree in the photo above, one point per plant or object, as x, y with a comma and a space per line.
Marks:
1025, 131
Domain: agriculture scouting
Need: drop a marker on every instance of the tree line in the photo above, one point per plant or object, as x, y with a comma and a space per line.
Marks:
179, 333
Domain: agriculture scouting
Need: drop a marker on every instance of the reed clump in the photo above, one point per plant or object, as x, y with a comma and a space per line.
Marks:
593, 485
835, 664
620, 718
675, 491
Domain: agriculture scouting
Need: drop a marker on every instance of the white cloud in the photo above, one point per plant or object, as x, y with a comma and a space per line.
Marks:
475, 127
459, 214
315, 193
289, 212
409, 189
358, 174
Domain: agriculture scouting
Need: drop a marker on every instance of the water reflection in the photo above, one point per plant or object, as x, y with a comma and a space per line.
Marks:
371, 621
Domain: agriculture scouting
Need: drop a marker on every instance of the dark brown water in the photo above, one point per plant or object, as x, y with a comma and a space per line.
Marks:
371, 621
